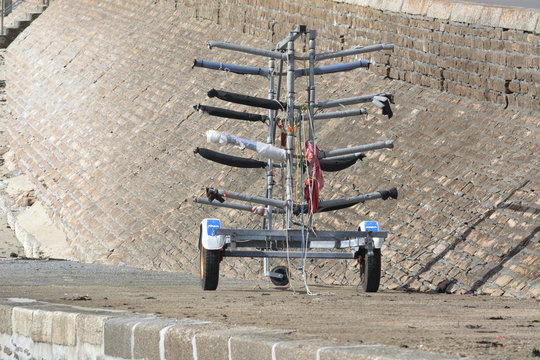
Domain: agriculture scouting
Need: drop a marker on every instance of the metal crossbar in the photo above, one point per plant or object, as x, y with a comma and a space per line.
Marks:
288, 254
283, 235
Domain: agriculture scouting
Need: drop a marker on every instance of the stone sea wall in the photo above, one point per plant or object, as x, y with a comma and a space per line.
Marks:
100, 98
481, 52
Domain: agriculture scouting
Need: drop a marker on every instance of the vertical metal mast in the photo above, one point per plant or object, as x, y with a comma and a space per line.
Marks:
270, 140
311, 95
269, 171
311, 104
290, 130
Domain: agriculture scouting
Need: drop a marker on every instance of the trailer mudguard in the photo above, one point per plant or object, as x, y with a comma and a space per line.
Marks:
209, 239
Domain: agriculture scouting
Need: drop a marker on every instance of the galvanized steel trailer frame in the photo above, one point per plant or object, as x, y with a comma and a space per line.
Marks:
270, 243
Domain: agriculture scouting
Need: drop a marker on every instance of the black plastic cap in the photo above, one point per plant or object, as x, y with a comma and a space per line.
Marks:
213, 194
391, 193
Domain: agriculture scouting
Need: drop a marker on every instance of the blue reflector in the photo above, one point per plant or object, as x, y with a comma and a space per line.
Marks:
371, 226
212, 224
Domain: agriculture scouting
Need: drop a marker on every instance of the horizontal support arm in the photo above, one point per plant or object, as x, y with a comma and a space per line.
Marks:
339, 114
247, 50
220, 194
237, 69
360, 148
252, 209
351, 100
329, 69
354, 51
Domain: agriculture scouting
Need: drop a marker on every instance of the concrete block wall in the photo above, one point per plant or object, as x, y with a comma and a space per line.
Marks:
481, 52
35, 330
100, 100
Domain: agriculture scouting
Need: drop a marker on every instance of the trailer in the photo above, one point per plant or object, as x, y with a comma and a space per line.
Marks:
296, 154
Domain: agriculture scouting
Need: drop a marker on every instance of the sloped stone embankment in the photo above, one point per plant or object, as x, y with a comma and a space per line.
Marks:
100, 98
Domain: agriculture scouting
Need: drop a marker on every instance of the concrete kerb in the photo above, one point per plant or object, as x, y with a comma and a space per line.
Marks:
487, 15
375, 352
42, 330
519, 19
438, 10
118, 334
470, 13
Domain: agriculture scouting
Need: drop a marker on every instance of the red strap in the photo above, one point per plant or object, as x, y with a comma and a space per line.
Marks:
312, 156
313, 200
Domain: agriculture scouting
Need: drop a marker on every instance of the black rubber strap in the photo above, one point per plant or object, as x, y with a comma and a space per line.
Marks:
247, 100
230, 160
226, 113
341, 164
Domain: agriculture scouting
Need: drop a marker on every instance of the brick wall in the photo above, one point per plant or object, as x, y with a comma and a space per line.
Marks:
100, 98
480, 52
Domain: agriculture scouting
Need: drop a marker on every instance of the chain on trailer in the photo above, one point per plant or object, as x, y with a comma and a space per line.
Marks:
296, 154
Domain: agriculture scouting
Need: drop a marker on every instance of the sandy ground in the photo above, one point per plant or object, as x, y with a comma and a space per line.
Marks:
472, 326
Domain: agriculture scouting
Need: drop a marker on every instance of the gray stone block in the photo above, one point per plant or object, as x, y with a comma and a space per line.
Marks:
90, 328
212, 345
373, 352
519, 19
42, 324
220, 343
149, 338
118, 333
439, 9
491, 16
243, 347
415, 7
22, 321
466, 13
299, 349
5, 319
64, 328
180, 340
243, 342
388, 5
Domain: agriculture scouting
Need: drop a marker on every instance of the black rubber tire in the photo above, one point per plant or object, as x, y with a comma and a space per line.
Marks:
370, 271
209, 266
284, 281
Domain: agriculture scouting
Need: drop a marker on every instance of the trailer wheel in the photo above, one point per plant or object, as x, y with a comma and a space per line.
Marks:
209, 269
283, 281
370, 271
210, 260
